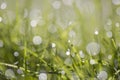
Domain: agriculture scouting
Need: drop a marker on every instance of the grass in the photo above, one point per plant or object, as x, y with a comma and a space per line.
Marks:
70, 28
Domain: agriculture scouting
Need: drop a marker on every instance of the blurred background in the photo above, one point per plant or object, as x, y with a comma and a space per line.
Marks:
59, 39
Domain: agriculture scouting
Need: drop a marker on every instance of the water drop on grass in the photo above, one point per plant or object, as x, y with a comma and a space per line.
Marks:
96, 32
3, 5
42, 76
16, 54
62, 72
69, 41
109, 34
33, 23
56, 4
92, 61
9, 74
68, 52
117, 24
102, 75
93, 48
37, 40
53, 45
109, 56
19, 71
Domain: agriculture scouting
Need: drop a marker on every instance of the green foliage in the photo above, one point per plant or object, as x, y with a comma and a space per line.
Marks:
54, 41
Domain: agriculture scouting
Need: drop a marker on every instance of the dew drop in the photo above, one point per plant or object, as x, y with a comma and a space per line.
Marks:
19, 71
33, 23
9, 74
92, 61
16, 54
102, 75
109, 56
56, 4
69, 41
37, 40
3, 5
68, 52
96, 32
109, 34
53, 45
117, 24
42, 76
62, 72
93, 48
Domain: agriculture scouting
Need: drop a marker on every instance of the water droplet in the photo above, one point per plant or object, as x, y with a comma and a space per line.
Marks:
117, 24
37, 40
62, 72
93, 48
56, 4
68, 2
68, 52
109, 56
118, 11
69, 41
23, 75
1, 43
81, 54
68, 62
3, 5
102, 75
42, 76
9, 74
19, 71
33, 23
0, 19
53, 45
116, 2
16, 54
109, 34
96, 32
92, 61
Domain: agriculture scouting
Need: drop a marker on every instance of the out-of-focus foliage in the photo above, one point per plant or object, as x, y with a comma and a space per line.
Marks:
59, 40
